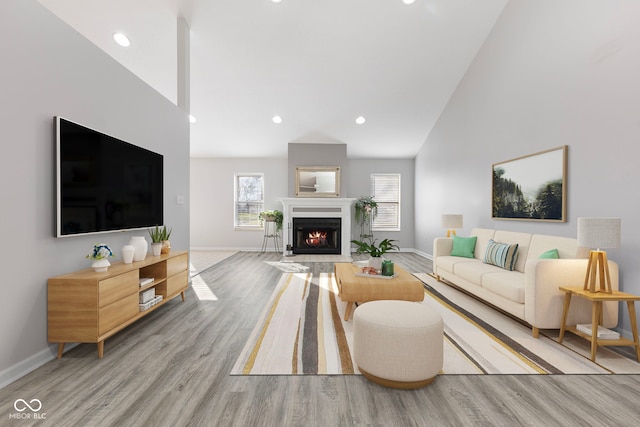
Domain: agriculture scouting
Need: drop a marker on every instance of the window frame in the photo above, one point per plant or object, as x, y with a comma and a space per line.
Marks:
375, 227
258, 225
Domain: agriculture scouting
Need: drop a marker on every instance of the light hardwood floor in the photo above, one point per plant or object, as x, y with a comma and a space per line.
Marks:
172, 369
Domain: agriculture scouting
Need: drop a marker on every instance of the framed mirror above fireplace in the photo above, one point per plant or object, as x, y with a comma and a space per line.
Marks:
318, 181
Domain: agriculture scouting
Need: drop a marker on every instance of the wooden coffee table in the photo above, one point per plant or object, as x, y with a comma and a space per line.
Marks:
352, 288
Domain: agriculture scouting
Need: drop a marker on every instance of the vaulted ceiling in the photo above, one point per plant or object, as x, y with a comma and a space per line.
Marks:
318, 64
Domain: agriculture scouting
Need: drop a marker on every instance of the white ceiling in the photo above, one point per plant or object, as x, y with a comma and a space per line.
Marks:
318, 64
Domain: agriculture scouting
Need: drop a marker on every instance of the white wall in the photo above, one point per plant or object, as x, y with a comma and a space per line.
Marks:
550, 73
212, 199
48, 69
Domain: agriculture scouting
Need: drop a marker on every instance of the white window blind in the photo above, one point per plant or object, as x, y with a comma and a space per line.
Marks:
385, 189
249, 200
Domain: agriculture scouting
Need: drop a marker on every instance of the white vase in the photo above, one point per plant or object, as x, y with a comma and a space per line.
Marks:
127, 254
141, 247
100, 265
156, 248
376, 262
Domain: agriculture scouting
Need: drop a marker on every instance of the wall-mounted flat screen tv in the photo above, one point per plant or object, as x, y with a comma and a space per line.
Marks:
104, 184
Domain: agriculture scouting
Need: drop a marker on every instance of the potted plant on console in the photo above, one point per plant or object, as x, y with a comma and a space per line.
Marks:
374, 250
160, 243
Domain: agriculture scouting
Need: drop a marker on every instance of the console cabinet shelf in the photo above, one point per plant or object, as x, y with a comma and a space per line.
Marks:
89, 307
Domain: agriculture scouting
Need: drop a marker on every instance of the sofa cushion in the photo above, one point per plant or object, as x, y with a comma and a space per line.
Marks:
448, 263
483, 235
508, 284
522, 239
567, 246
473, 271
550, 254
463, 246
502, 255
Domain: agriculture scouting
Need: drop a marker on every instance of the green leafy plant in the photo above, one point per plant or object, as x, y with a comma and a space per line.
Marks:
159, 235
272, 215
366, 209
374, 250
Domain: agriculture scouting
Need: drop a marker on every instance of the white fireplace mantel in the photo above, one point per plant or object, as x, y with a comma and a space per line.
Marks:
309, 207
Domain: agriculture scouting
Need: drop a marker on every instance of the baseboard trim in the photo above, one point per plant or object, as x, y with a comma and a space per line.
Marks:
31, 363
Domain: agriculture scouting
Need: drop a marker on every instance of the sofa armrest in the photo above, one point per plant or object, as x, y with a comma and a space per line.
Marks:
544, 302
442, 246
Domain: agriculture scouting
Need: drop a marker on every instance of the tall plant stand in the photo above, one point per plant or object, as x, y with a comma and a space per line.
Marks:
270, 232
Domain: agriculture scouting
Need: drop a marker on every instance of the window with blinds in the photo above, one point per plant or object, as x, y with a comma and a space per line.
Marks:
249, 200
385, 189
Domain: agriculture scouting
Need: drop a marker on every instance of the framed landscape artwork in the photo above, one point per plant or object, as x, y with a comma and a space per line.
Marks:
531, 187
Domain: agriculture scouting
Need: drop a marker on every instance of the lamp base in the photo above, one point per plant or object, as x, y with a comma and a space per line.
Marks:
597, 271
451, 232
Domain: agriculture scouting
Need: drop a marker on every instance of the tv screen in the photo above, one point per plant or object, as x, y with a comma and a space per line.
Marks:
104, 184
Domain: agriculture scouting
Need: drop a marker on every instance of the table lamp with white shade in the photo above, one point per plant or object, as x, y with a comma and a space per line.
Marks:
598, 233
451, 222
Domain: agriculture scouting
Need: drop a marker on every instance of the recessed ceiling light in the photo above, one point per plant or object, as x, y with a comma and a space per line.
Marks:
276, 1
408, 1
192, 119
121, 39
276, 119
360, 120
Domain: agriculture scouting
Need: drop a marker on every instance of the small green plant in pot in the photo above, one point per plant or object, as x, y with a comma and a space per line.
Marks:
160, 237
272, 215
376, 251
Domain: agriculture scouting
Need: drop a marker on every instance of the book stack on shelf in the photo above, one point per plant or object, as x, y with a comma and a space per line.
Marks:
148, 298
603, 333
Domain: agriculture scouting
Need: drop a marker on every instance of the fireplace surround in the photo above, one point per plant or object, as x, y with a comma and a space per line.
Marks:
338, 208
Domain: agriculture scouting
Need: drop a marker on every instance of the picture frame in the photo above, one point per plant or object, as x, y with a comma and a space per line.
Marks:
531, 187
317, 181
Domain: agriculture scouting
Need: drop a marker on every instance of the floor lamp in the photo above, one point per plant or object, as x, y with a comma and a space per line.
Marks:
598, 233
451, 222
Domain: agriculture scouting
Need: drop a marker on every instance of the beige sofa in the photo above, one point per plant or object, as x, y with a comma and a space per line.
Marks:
529, 292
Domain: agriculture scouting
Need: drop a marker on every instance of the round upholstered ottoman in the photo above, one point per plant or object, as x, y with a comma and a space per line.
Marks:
397, 343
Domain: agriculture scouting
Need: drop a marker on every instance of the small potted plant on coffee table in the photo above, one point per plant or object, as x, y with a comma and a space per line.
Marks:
374, 250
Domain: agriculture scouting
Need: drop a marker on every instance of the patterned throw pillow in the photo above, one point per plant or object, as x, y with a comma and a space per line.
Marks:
501, 255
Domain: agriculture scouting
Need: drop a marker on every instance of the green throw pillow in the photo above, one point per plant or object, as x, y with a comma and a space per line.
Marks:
550, 254
463, 246
501, 255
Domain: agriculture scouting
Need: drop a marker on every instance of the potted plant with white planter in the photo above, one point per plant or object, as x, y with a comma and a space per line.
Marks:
374, 250
160, 243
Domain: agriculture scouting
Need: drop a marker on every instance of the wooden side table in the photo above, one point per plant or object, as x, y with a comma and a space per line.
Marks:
597, 298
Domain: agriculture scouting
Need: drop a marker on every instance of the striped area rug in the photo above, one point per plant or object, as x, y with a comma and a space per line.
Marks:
301, 332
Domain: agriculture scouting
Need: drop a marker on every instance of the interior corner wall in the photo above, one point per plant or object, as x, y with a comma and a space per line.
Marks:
551, 73
49, 69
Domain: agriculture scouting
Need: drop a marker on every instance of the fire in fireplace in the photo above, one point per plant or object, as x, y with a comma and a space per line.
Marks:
316, 235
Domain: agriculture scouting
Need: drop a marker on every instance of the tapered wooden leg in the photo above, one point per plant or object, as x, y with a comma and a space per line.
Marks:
60, 349
100, 349
595, 320
347, 312
182, 295
565, 312
634, 327
535, 332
